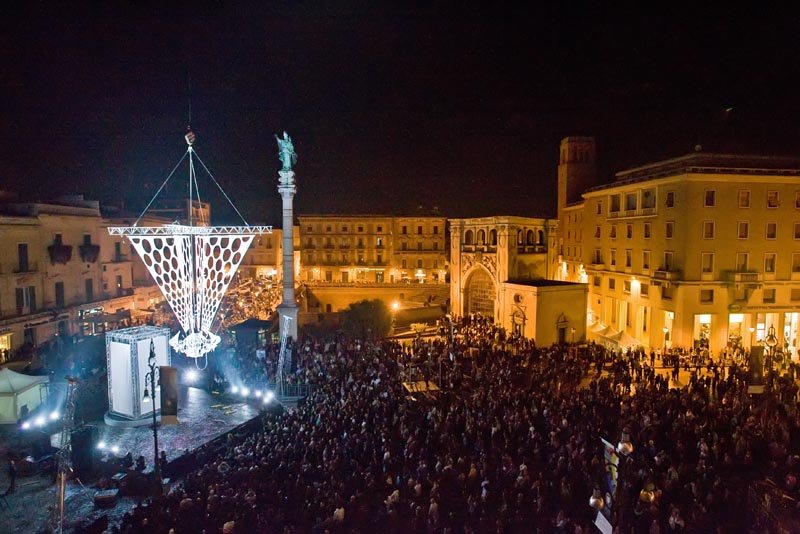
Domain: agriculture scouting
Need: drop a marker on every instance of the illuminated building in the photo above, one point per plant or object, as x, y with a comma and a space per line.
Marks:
61, 273
503, 267
352, 249
699, 248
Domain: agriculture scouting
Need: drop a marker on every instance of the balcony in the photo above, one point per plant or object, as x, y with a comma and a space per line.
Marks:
89, 252
632, 214
29, 267
120, 258
531, 249
59, 253
748, 280
669, 275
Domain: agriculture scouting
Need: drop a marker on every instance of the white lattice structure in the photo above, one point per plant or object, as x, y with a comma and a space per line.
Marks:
193, 266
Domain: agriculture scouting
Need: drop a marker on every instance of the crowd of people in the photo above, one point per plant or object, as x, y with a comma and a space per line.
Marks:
512, 443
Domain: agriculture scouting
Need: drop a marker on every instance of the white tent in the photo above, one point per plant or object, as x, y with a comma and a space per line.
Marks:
16, 391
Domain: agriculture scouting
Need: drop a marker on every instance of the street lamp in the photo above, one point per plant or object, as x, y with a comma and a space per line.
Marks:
572, 331
666, 334
395, 307
146, 398
770, 341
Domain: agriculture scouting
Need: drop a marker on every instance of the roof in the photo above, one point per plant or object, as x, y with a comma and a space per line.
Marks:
12, 382
543, 283
707, 163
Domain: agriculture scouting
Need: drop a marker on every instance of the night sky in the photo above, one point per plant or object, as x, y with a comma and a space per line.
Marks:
391, 109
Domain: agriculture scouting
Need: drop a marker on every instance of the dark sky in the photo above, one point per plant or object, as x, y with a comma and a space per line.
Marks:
390, 108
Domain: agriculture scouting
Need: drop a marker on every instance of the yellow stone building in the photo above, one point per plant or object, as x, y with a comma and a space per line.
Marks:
699, 248
351, 249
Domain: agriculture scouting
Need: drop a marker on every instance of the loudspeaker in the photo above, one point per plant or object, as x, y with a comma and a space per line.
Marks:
168, 377
83, 440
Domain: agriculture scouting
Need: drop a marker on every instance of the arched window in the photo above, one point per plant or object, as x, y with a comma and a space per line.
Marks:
481, 237
468, 239
529, 237
493, 238
540, 237
520, 239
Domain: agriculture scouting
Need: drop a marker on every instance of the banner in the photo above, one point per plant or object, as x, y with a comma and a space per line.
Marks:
611, 463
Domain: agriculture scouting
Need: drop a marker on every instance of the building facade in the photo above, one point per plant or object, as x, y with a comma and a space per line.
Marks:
505, 268
700, 249
352, 249
62, 274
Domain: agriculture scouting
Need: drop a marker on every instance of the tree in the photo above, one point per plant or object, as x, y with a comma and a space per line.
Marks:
367, 319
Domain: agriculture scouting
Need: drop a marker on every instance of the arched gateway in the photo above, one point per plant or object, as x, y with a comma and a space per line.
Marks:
480, 294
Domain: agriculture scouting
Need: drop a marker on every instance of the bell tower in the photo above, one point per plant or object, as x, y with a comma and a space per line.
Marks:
576, 169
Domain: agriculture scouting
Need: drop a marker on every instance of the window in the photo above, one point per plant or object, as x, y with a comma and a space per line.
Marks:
599, 208
612, 283
772, 230
435, 264
596, 281
710, 198
706, 296
309, 228
629, 231
645, 259
744, 198
666, 292
58, 239
419, 264
404, 230
772, 199
612, 233
380, 229
669, 229
708, 229
668, 260
669, 199
743, 229
647, 230
89, 287
613, 258
797, 230
360, 228
60, 295
707, 262
644, 291
419, 245
435, 230
379, 242
435, 245
796, 263
327, 228
344, 228
26, 299
797, 200
403, 246
613, 204
795, 294
419, 230
742, 260
22, 257
87, 239
648, 199
630, 202
769, 296
769, 262
628, 258
597, 231
626, 286
403, 263
598, 258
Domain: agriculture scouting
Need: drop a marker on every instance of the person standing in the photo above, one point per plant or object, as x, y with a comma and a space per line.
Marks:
12, 476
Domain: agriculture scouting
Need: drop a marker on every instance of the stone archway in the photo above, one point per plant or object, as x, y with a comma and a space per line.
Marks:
480, 293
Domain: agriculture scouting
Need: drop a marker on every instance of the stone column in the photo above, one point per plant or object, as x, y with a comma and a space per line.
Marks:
288, 307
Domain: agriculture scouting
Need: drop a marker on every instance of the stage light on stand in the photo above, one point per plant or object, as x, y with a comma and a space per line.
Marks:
257, 393
191, 376
245, 392
115, 449
54, 416
268, 397
101, 445
234, 390
40, 421
26, 425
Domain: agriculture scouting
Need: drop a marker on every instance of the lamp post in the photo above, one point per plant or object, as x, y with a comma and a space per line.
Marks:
666, 334
770, 341
395, 307
572, 331
151, 376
